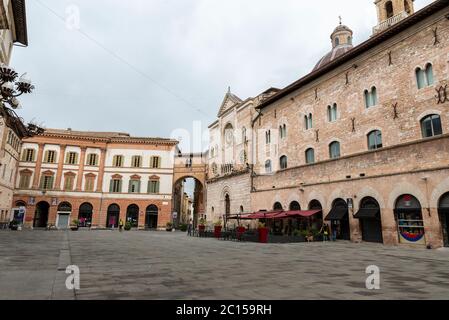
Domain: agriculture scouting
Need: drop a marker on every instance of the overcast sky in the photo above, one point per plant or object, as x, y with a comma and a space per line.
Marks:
149, 67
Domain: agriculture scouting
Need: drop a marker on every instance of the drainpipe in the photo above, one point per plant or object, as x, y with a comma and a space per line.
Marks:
259, 114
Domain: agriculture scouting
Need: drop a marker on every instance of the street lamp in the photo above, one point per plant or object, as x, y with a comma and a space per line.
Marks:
10, 89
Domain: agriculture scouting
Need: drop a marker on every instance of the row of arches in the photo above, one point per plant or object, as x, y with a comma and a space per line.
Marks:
85, 215
407, 212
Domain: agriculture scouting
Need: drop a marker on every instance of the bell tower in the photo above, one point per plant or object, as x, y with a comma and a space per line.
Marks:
390, 12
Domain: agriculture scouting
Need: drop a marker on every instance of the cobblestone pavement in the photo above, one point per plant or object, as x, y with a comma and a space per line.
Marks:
160, 265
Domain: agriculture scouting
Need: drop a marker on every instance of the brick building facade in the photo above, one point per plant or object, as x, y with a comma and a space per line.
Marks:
98, 178
364, 136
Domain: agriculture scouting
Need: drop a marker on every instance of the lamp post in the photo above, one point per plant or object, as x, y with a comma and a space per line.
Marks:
11, 87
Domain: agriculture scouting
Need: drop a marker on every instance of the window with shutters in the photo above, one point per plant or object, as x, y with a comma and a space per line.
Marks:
134, 186
136, 161
47, 181
155, 162
69, 182
50, 156
115, 186
431, 126
375, 140
92, 159
89, 183
283, 162
28, 155
71, 158
334, 150
153, 186
117, 161
310, 156
24, 180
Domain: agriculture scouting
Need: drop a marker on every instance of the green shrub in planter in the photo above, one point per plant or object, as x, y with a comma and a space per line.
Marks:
183, 227
128, 226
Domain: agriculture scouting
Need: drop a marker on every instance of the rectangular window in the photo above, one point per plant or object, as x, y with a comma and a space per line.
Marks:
136, 161
92, 160
89, 186
50, 156
134, 186
46, 182
24, 182
28, 155
117, 161
68, 183
155, 162
116, 186
153, 186
71, 158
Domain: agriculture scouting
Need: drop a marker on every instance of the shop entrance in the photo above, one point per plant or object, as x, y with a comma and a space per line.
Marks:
64, 212
41, 215
85, 215
370, 220
443, 210
339, 217
132, 215
151, 217
409, 219
113, 216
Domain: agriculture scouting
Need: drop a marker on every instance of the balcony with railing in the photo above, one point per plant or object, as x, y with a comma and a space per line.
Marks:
390, 22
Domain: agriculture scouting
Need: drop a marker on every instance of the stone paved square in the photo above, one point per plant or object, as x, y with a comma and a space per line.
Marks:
160, 265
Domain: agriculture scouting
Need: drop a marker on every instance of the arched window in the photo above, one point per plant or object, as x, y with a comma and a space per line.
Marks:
350, 40
268, 167
337, 41
374, 140
268, 137
389, 9
408, 213
283, 131
283, 162
424, 78
295, 206
420, 78
241, 209
429, 74
334, 150
431, 126
310, 156
227, 205
278, 206
308, 121
64, 207
371, 97
332, 112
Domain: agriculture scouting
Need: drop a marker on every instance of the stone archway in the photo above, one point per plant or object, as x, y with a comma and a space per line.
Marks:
41, 215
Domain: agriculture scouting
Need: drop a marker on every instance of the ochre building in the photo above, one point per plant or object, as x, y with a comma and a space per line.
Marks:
98, 178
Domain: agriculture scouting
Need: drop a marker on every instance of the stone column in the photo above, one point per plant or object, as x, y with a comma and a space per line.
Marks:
101, 171
79, 180
60, 167
37, 171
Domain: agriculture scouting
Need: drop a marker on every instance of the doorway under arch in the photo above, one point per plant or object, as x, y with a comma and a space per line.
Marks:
227, 205
370, 220
151, 217
41, 215
278, 206
188, 200
63, 218
295, 206
85, 215
132, 215
443, 211
113, 216
339, 217
408, 213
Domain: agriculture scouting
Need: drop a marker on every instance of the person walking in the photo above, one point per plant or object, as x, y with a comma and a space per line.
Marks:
120, 225
189, 228
325, 232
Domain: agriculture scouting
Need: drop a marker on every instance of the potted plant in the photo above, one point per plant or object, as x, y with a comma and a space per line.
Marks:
75, 225
202, 225
263, 233
169, 227
14, 225
128, 226
217, 229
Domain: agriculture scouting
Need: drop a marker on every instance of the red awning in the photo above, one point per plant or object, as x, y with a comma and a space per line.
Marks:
291, 214
264, 215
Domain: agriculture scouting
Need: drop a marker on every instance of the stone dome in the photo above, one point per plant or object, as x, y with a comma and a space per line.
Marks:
341, 43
